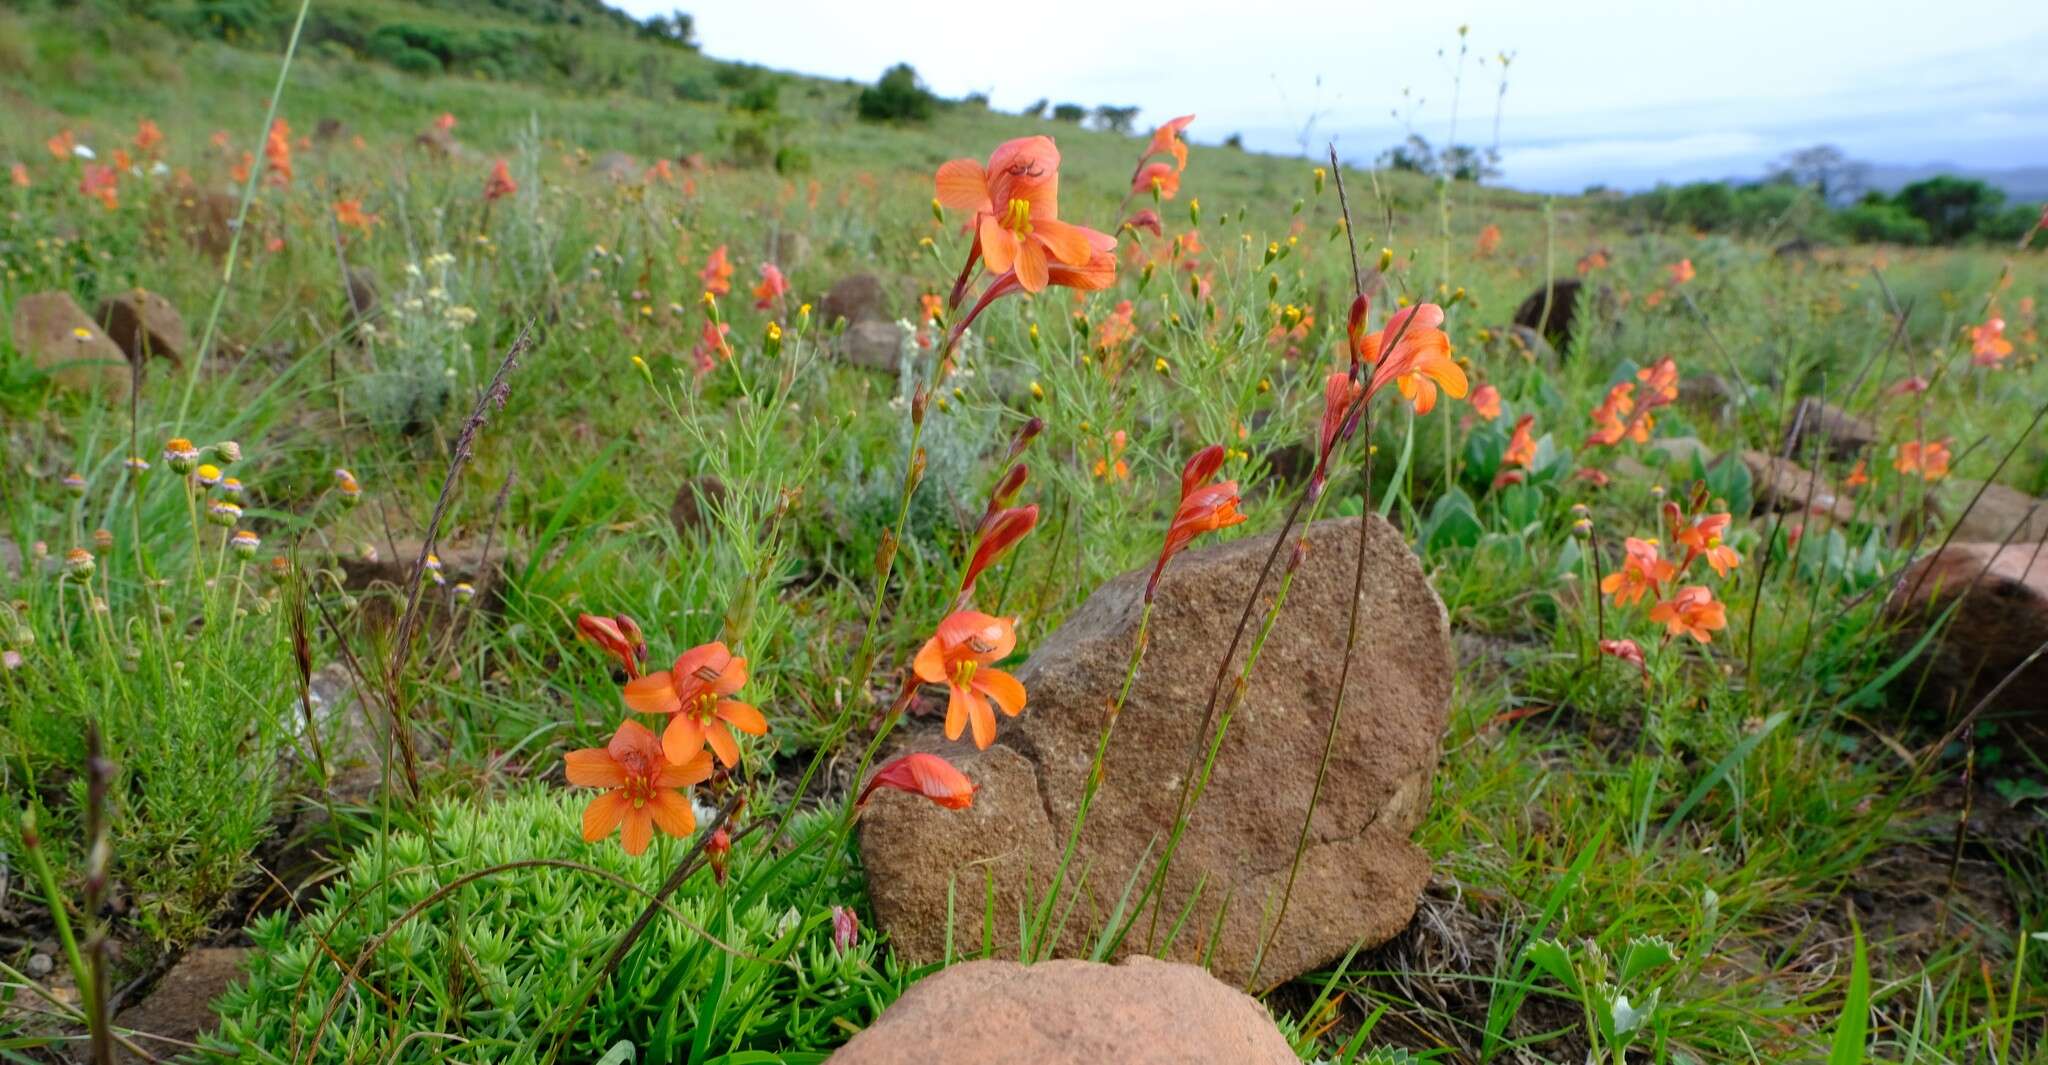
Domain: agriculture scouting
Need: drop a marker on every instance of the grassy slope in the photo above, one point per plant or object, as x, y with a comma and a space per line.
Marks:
1562, 823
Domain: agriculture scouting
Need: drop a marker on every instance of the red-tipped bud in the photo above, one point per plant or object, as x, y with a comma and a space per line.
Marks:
1024, 437
1001, 532
618, 637
1147, 219
845, 929
924, 774
1201, 468
717, 851
1005, 490
1356, 322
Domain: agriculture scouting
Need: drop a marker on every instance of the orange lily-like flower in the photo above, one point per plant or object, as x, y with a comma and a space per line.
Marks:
1680, 271
500, 184
1097, 274
1858, 477
1489, 240
444, 122
101, 183
147, 136
1988, 346
1015, 200
1701, 538
61, 145
717, 273
351, 213
1159, 178
1613, 420
1112, 464
277, 152
1413, 353
1693, 611
921, 774
1627, 651
771, 288
1521, 450
999, 532
618, 636
644, 788
1929, 459
695, 693
18, 173
1641, 573
1204, 507
1166, 141
959, 655
1486, 402
1660, 383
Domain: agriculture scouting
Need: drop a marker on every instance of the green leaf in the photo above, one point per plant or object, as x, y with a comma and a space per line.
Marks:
1855, 1020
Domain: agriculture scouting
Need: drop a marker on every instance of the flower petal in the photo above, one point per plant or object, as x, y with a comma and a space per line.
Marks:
1031, 266
672, 813
592, 767
682, 740
982, 719
638, 831
743, 717
721, 741
695, 771
930, 665
653, 694
963, 185
998, 245
1068, 243
602, 816
1006, 690
956, 711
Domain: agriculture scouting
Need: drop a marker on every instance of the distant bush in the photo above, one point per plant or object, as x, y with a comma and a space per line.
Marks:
897, 97
1880, 221
1069, 113
791, 159
695, 89
1952, 207
764, 98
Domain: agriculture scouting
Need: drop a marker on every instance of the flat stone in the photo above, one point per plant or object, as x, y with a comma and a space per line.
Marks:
145, 325
872, 345
2000, 596
54, 332
1142, 1012
1841, 435
857, 298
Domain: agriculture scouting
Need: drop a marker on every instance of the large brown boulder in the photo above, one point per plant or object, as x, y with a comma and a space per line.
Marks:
1779, 484
2001, 617
1840, 434
876, 344
857, 298
54, 332
145, 325
1143, 1012
1360, 876
1554, 317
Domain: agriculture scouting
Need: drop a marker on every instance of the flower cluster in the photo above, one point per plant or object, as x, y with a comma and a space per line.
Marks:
1683, 609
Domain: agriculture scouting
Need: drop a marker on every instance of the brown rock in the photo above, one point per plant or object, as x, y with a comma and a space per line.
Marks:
178, 1008
1142, 1012
208, 219
876, 344
620, 167
2002, 618
1709, 394
1778, 484
1360, 876
857, 298
380, 580
1998, 515
1842, 435
438, 142
52, 330
1679, 452
145, 324
695, 504
1556, 327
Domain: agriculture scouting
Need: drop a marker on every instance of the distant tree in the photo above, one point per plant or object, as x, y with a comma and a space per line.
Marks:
1235, 140
976, 100
1413, 155
1466, 163
1118, 120
1825, 169
898, 97
1877, 220
1952, 207
677, 28
1037, 110
1069, 113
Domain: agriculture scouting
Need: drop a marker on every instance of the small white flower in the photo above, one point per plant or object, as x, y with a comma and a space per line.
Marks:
83, 152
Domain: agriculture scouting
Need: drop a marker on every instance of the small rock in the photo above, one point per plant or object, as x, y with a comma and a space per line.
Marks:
1142, 1012
180, 1006
41, 965
873, 344
857, 298
439, 143
1778, 484
1530, 345
695, 503
2002, 618
1842, 435
1361, 875
1709, 394
144, 324
1998, 515
53, 331
1556, 327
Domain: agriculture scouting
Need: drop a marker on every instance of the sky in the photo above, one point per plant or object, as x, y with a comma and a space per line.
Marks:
1597, 91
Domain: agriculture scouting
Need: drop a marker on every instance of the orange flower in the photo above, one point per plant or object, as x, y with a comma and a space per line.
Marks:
1627, 651
920, 774
1680, 271
100, 183
1112, 462
931, 306
1521, 449
1929, 459
1702, 538
1341, 396
694, 693
1117, 328
1015, 200
1148, 220
1988, 345
1660, 382
1693, 611
1641, 573
351, 213
1097, 274
1413, 352
1591, 261
1858, 477
1166, 141
717, 273
147, 137
711, 346
1204, 507
771, 288
19, 174
999, 532
1489, 240
618, 636
277, 152
500, 184
61, 145
445, 122
1157, 178
1486, 402
1612, 418
958, 655
644, 788
240, 171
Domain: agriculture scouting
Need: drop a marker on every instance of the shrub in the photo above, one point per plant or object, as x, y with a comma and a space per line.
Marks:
897, 97
1069, 113
1952, 207
496, 961
793, 159
1882, 222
